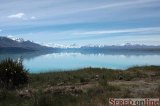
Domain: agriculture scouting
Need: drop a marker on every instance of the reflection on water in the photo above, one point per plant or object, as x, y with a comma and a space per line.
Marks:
41, 62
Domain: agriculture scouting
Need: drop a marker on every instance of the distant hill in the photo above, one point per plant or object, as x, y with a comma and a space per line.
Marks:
115, 49
19, 45
135, 47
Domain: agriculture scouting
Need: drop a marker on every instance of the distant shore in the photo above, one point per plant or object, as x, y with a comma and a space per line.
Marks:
85, 87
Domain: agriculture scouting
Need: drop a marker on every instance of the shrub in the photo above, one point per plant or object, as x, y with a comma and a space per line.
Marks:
12, 73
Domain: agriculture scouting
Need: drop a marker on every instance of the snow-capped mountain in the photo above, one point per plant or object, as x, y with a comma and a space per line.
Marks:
16, 39
54, 45
18, 44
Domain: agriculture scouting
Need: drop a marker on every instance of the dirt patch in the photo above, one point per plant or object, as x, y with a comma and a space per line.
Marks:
137, 87
69, 89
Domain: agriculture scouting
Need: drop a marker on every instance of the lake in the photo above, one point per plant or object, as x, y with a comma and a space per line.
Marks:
41, 62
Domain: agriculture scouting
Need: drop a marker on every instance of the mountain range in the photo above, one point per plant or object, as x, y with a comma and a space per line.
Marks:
19, 45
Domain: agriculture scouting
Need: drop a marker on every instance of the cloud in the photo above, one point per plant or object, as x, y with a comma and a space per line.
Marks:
87, 19
0, 30
155, 29
18, 15
33, 17
119, 5
70, 11
22, 16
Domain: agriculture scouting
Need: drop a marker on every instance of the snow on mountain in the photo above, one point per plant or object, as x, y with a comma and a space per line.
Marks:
54, 45
60, 45
13, 44
16, 39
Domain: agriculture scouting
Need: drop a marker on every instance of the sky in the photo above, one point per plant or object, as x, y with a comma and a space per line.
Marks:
82, 22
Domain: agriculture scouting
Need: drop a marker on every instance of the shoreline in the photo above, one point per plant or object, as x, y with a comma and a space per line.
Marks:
102, 68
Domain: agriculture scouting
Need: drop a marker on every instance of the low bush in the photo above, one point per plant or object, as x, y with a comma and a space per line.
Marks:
12, 73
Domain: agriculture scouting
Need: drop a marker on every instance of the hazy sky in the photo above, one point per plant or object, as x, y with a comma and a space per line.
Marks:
82, 21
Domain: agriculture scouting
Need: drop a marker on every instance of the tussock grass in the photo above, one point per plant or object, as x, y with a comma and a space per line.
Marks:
95, 85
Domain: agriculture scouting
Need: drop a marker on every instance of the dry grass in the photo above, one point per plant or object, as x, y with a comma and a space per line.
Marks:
85, 87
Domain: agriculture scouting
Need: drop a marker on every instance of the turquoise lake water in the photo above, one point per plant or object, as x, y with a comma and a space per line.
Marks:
37, 62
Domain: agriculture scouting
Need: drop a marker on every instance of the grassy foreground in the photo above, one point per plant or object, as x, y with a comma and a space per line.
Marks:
84, 87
